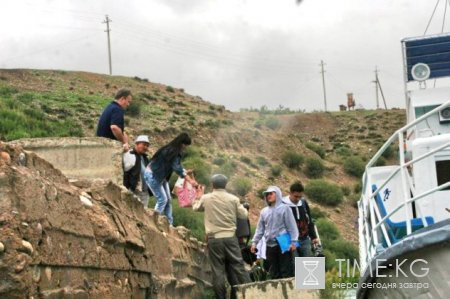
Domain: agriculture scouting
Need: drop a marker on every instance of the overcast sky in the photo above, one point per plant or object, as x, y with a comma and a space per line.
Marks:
238, 53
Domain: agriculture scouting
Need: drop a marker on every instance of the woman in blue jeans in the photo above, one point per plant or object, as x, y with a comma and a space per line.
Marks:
157, 174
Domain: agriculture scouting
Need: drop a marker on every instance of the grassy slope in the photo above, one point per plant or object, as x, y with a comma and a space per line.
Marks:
58, 103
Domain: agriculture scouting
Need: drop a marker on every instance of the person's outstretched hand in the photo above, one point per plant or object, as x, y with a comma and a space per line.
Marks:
292, 247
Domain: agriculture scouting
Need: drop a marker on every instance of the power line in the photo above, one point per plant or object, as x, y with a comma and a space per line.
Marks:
49, 48
443, 20
212, 56
431, 18
196, 45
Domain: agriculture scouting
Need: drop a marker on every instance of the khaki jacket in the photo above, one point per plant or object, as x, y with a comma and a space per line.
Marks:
221, 211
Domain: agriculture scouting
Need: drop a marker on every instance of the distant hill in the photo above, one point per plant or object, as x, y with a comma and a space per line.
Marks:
253, 148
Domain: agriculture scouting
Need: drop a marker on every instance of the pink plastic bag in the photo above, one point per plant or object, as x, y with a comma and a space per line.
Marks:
186, 195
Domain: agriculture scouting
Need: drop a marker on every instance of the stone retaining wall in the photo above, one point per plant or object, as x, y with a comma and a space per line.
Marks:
79, 158
274, 289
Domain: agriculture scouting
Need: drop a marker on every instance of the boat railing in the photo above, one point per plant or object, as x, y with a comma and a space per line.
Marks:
371, 220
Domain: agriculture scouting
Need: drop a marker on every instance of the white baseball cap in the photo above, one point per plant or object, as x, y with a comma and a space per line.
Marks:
270, 190
142, 138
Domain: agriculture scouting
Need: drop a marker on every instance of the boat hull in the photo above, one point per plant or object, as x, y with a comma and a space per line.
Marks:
416, 267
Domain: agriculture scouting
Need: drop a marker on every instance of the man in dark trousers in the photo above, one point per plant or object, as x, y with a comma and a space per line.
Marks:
221, 211
275, 221
134, 163
111, 123
300, 209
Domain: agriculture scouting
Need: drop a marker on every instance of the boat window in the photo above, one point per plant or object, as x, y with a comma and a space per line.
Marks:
424, 109
443, 172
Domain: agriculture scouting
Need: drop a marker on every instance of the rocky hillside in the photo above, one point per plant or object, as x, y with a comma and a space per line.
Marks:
255, 148
61, 240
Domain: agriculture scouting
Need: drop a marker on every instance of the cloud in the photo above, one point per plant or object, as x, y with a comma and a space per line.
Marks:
239, 53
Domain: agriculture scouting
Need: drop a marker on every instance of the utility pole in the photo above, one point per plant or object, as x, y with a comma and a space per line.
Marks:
322, 71
376, 87
107, 21
382, 94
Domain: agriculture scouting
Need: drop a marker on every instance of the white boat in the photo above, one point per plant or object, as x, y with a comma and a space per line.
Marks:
404, 211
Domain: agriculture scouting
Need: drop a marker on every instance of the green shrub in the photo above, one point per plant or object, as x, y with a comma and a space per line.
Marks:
245, 160
25, 98
11, 103
343, 249
213, 124
328, 231
242, 185
292, 159
314, 168
354, 166
170, 89
134, 110
6, 91
317, 148
190, 219
330, 263
202, 170
317, 213
324, 192
272, 123
192, 152
388, 153
219, 161
358, 187
25, 123
354, 198
228, 168
343, 151
276, 170
258, 124
346, 190
259, 193
260, 160
34, 113
381, 161
149, 97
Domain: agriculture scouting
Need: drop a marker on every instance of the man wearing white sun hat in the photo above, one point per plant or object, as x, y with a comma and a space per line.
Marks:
134, 163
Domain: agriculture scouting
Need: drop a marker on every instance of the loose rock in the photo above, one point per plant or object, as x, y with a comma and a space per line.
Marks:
86, 201
22, 159
28, 247
36, 274
2, 247
22, 261
48, 273
5, 157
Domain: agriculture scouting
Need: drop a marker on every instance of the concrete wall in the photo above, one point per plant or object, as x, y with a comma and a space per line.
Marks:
274, 289
79, 158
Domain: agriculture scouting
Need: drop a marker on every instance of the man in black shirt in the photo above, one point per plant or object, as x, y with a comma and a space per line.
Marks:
111, 123
300, 209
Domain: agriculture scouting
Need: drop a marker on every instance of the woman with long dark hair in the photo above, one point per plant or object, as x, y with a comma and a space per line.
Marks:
157, 174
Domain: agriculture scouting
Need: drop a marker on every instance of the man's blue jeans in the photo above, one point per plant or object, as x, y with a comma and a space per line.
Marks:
162, 194
303, 251
305, 248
